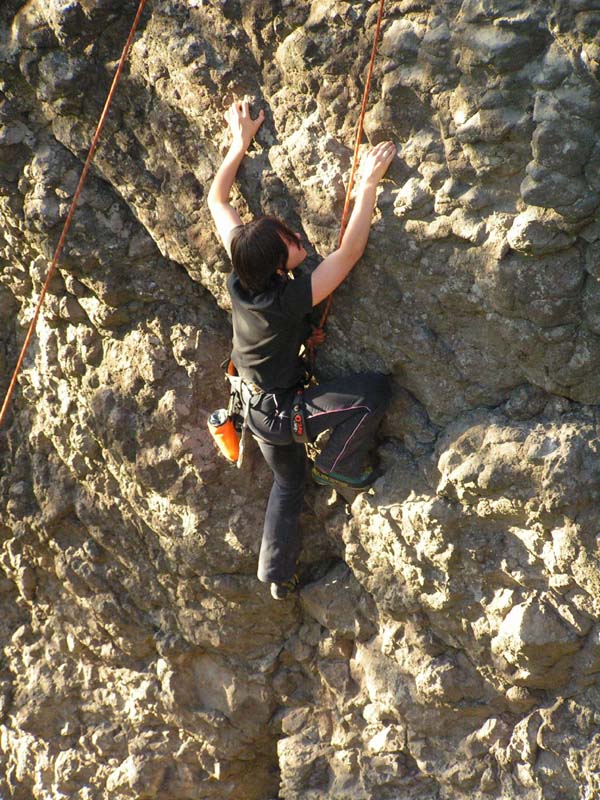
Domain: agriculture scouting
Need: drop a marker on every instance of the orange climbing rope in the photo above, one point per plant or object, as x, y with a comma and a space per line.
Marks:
67, 224
359, 133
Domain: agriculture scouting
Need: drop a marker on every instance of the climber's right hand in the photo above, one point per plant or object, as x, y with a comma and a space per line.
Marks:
375, 162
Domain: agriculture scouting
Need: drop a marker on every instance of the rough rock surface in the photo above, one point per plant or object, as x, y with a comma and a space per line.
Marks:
447, 642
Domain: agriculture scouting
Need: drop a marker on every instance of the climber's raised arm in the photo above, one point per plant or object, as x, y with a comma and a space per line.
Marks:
333, 269
243, 129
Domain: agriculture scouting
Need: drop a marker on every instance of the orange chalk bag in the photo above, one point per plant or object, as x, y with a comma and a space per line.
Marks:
228, 425
225, 434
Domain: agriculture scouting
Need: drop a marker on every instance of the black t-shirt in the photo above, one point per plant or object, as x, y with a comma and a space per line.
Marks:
269, 328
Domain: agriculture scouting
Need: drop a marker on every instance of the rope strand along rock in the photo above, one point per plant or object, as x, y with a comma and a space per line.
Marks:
67, 225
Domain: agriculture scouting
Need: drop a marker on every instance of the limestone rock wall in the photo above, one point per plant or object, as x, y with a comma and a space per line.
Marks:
447, 642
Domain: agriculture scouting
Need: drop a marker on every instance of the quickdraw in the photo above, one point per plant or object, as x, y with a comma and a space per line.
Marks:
299, 430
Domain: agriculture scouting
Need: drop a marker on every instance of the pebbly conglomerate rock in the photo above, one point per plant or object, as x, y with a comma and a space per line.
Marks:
447, 642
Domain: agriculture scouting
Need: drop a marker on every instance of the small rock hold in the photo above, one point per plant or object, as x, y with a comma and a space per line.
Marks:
520, 699
70, 310
27, 582
537, 232
534, 638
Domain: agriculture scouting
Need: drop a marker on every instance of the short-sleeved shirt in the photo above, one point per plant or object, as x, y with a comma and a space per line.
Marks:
268, 330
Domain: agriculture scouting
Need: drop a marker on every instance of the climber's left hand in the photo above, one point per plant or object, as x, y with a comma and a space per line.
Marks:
241, 124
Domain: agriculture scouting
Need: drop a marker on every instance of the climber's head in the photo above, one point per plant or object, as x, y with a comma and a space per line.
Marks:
262, 248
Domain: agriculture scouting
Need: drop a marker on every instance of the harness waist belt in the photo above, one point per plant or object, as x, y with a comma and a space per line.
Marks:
246, 391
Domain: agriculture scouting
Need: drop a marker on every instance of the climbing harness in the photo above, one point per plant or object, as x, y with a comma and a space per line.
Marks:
310, 344
63, 236
228, 426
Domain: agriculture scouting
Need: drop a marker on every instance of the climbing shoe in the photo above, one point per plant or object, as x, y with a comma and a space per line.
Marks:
279, 591
338, 481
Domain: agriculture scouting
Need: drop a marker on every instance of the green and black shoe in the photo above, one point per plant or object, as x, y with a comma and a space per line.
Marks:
338, 481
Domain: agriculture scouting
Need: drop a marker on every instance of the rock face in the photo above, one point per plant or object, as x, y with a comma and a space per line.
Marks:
447, 641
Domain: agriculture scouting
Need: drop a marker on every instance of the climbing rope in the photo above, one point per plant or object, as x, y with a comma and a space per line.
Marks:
63, 236
317, 337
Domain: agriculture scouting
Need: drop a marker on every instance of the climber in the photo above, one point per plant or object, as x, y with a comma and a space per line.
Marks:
271, 302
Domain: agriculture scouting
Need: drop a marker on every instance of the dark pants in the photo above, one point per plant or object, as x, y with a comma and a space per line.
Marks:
352, 408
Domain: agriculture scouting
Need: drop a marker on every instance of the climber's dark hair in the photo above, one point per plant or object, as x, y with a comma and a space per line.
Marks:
258, 250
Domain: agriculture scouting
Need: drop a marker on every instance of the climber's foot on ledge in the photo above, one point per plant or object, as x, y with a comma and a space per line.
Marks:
338, 481
279, 591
